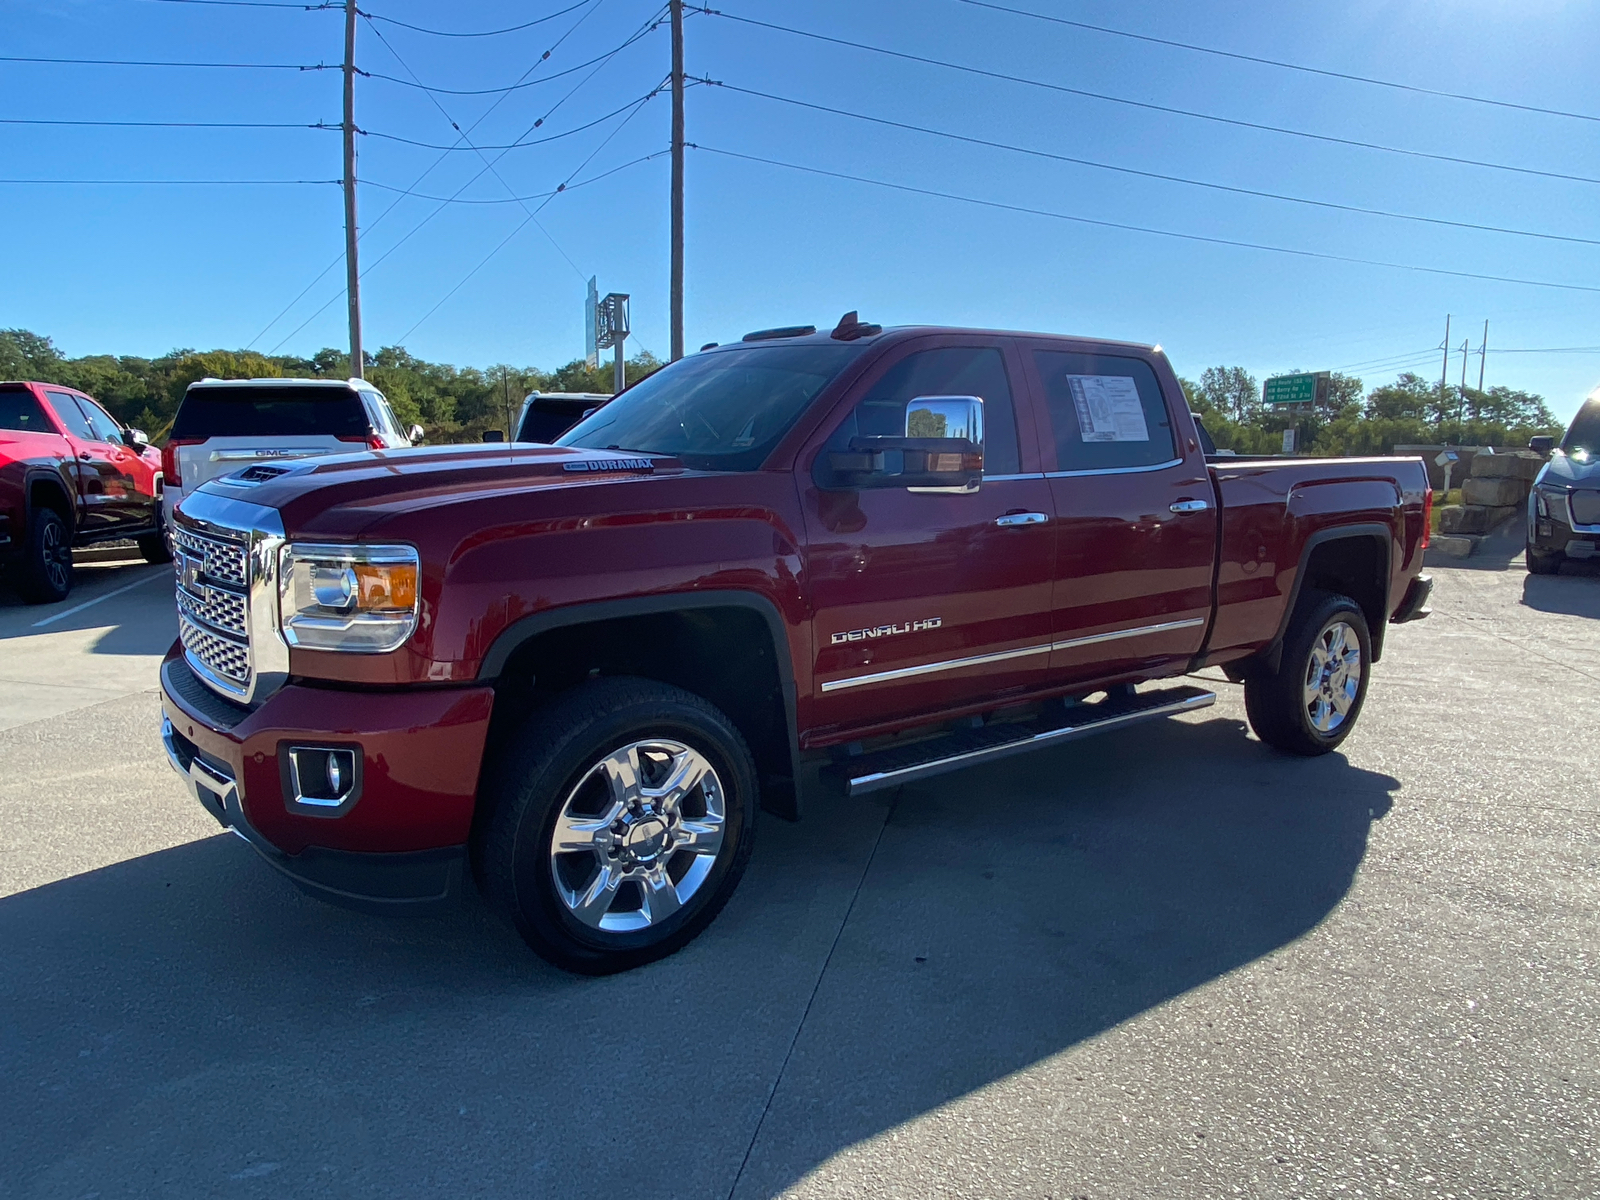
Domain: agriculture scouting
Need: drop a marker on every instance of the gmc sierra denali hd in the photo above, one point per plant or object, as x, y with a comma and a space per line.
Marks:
576, 670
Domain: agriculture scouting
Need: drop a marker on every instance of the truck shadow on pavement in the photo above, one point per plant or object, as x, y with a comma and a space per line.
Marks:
1568, 592
185, 1023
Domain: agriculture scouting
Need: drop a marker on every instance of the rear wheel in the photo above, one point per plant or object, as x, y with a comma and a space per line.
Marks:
618, 821
1544, 562
46, 574
1311, 702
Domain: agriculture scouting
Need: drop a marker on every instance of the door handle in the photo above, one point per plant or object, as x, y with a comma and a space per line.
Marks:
1189, 506
85, 455
1011, 520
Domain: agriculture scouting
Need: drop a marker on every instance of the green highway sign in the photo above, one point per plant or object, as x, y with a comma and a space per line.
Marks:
1291, 389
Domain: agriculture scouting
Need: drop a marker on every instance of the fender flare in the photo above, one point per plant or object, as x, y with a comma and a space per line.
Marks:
37, 472
1272, 656
520, 632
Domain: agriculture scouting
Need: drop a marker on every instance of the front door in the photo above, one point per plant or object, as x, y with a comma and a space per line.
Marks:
928, 600
1137, 523
92, 467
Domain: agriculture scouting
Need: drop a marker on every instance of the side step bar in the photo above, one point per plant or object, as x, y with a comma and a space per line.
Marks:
895, 765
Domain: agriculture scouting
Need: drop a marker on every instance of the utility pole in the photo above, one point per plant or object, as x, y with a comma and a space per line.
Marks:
352, 267
1444, 371
1483, 352
1461, 403
676, 301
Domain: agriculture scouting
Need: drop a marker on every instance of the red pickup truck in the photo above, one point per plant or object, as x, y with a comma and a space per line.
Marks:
70, 475
577, 670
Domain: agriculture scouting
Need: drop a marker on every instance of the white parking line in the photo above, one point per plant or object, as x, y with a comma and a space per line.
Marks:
78, 608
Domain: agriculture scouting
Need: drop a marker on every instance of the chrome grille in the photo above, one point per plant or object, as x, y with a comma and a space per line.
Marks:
222, 610
220, 561
213, 606
223, 657
1586, 507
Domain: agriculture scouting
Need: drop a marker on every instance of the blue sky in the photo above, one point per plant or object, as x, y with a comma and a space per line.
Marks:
142, 269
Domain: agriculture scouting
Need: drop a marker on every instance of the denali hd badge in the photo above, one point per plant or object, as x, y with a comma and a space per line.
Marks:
861, 635
610, 464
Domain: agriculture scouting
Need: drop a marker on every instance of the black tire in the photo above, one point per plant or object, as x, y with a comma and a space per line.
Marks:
46, 569
553, 764
1544, 562
157, 547
1282, 711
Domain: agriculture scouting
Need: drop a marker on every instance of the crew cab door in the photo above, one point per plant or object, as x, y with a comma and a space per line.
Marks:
1136, 534
927, 600
93, 472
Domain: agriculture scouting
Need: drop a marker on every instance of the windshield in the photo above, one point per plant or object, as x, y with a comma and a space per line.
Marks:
716, 411
1583, 435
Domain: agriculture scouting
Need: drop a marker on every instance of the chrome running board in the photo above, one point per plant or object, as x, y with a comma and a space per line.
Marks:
895, 765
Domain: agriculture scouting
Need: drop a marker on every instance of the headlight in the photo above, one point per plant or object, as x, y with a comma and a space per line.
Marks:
361, 599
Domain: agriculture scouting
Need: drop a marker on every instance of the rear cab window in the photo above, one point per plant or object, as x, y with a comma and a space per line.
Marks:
267, 412
21, 412
1106, 411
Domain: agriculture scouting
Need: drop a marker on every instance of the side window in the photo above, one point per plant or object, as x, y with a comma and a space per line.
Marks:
383, 418
21, 412
101, 422
953, 371
1105, 411
70, 415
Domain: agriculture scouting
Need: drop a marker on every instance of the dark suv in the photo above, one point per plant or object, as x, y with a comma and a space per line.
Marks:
1564, 506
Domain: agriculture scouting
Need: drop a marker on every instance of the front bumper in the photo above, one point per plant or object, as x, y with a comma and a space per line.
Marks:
399, 846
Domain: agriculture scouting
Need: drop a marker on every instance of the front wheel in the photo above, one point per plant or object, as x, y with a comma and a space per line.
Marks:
1544, 562
1311, 702
617, 823
157, 547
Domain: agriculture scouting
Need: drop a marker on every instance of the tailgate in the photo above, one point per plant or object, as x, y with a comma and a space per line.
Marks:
223, 455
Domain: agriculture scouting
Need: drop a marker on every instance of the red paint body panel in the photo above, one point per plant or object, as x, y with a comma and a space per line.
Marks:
421, 750
506, 532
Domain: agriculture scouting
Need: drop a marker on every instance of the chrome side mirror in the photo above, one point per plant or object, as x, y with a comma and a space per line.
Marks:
942, 450
415, 434
135, 439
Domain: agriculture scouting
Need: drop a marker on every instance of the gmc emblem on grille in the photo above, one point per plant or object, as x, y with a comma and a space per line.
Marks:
189, 573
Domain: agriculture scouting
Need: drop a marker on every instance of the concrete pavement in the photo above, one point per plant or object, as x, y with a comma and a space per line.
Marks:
1168, 963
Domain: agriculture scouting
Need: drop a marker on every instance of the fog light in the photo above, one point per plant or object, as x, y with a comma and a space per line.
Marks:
322, 777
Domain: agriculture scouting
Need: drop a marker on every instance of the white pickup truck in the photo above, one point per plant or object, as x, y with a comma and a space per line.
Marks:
226, 425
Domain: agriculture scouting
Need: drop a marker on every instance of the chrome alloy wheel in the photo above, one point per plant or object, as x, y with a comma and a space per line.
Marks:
56, 553
638, 835
1333, 676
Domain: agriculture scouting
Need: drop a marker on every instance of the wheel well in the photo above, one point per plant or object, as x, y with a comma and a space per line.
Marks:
1357, 567
726, 655
47, 493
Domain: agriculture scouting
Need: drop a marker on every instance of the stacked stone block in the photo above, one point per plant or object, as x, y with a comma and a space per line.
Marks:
1494, 492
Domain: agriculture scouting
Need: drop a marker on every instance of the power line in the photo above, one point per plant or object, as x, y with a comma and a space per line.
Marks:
480, 33
128, 62
496, 91
1103, 166
1190, 237
517, 145
1182, 112
170, 182
434, 100
564, 186
649, 24
519, 199
249, 4
1287, 66
172, 124
539, 62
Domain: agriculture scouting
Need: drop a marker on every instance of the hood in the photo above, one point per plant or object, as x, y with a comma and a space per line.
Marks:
339, 496
1563, 468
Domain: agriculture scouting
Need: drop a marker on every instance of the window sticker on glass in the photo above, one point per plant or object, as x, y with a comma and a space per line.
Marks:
1108, 408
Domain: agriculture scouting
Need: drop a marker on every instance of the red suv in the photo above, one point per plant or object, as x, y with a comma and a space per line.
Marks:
70, 475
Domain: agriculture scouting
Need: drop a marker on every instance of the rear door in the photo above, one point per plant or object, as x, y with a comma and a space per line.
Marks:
929, 600
1136, 524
